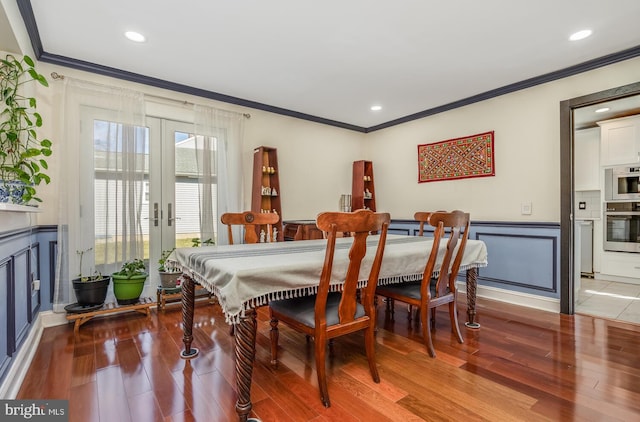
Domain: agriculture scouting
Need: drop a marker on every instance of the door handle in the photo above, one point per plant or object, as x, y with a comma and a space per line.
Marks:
155, 214
170, 217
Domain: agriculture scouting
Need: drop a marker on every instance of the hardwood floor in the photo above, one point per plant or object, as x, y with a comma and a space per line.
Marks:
522, 365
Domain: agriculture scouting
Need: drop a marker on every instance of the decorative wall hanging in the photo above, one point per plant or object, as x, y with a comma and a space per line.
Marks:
460, 158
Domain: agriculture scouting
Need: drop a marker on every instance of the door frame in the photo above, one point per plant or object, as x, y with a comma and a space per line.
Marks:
567, 264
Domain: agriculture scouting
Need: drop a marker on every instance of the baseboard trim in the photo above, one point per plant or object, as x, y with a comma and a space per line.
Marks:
52, 319
515, 298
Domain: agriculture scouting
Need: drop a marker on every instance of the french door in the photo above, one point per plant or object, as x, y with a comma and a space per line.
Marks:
175, 188
167, 192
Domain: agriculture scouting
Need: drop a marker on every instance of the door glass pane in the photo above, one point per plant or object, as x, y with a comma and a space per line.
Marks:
194, 171
121, 153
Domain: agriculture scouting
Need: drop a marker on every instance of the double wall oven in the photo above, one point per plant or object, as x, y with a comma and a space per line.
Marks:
622, 226
622, 209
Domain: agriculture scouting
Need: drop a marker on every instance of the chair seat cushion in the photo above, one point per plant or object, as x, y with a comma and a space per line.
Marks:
301, 309
411, 289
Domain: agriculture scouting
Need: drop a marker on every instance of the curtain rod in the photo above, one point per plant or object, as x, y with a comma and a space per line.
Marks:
58, 77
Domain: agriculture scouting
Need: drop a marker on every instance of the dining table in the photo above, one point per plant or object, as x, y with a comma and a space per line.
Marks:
244, 277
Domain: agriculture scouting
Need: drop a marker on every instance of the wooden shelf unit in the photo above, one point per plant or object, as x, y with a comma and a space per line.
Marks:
265, 195
361, 182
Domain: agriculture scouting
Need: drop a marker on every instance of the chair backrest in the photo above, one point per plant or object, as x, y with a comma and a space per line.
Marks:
423, 218
454, 227
251, 221
360, 224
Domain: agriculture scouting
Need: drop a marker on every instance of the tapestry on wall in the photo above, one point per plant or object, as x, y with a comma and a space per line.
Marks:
460, 158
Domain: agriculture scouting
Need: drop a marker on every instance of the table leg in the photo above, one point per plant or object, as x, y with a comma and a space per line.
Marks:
472, 284
188, 303
245, 335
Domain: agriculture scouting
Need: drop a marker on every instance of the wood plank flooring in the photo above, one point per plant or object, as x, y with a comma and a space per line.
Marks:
522, 365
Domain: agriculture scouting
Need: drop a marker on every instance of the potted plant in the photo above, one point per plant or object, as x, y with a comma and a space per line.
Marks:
168, 276
90, 290
129, 282
22, 155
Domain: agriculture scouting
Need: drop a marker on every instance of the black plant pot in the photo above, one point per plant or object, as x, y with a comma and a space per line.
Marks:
90, 293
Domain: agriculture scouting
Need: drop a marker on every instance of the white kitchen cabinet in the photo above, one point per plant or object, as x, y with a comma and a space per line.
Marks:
620, 141
621, 264
587, 159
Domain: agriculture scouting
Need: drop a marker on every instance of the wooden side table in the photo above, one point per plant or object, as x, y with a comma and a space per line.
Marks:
301, 230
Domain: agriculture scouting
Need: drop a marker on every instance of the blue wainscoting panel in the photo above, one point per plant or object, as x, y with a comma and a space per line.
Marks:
525, 261
23, 260
21, 294
523, 257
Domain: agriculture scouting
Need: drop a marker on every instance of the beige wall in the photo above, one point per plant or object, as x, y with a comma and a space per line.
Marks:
527, 152
315, 160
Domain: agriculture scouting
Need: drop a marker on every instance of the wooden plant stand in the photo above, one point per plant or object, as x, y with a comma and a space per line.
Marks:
143, 306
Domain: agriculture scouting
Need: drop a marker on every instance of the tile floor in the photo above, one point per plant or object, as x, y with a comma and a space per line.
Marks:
609, 299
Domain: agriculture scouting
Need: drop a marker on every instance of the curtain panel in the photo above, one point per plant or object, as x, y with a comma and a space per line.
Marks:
76, 180
224, 131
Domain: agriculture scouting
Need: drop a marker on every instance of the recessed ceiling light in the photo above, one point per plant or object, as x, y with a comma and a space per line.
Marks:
135, 36
602, 110
376, 107
580, 35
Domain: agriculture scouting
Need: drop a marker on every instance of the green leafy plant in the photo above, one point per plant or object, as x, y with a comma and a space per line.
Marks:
22, 154
132, 268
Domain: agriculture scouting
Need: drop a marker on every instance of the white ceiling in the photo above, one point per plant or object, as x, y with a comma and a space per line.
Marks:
333, 59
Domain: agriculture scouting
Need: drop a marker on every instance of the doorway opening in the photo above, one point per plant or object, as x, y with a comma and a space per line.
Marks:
568, 109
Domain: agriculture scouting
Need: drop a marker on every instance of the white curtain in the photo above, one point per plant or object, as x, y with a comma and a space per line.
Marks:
112, 165
220, 162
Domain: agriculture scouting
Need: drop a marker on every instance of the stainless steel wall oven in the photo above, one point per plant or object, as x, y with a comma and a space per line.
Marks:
622, 184
622, 226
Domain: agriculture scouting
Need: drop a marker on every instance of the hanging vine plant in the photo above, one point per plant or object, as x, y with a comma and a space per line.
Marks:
23, 163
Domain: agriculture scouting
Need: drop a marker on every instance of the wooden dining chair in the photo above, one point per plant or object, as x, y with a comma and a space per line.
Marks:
250, 220
423, 218
330, 313
431, 292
